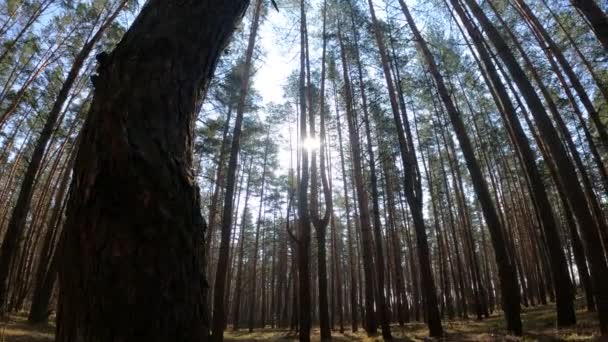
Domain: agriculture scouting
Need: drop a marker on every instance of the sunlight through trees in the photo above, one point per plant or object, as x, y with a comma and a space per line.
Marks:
303, 169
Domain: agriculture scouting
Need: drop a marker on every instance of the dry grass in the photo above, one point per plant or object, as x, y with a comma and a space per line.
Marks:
538, 326
16, 329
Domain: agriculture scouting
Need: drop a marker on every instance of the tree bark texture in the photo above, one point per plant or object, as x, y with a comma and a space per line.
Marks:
131, 261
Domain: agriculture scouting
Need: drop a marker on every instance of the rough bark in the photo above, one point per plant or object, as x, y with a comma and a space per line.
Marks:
130, 268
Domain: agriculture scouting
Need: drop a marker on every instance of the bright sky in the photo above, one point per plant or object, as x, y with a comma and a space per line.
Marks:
279, 40
280, 59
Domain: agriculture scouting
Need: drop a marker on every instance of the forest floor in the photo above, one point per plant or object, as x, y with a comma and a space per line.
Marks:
539, 325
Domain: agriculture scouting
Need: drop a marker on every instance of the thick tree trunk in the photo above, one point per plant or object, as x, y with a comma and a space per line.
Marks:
131, 264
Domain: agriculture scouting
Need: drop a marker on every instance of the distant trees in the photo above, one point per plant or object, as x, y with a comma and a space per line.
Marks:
413, 141
218, 323
412, 186
16, 223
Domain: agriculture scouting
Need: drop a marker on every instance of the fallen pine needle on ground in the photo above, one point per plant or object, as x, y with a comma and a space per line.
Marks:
539, 325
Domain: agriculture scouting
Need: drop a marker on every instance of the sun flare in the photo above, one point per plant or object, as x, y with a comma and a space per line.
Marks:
311, 144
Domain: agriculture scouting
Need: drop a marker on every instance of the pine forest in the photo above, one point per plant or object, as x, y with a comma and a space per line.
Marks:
303, 170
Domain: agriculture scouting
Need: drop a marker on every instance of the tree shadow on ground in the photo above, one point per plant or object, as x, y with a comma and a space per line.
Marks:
538, 323
16, 329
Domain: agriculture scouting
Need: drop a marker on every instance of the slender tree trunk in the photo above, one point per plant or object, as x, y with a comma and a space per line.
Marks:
238, 287
44, 5
401, 298
219, 315
577, 246
7, 193
17, 222
596, 18
601, 85
412, 189
460, 293
321, 223
561, 278
338, 275
362, 199
566, 170
377, 226
349, 239
233, 244
508, 279
257, 237
442, 251
218, 185
553, 50
46, 272
303, 239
